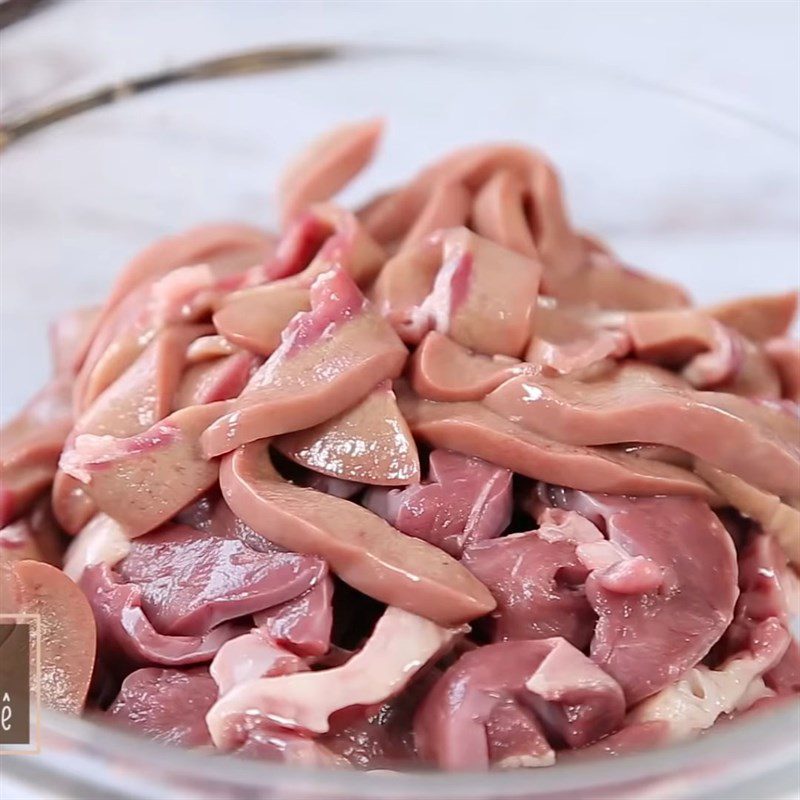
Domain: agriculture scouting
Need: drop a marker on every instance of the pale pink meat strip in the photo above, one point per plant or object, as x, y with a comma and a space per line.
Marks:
330, 357
360, 547
476, 430
759, 444
327, 165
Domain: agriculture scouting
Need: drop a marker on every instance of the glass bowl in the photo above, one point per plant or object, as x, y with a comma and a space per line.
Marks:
678, 187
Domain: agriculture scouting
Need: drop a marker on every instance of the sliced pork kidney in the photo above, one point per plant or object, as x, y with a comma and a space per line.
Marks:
126, 323
473, 429
498, 213
213, 380
785, 355
166, 705
334, 238
769, 596
125, 634
369, 443
566, 342
447, 206
145, 392
666, 596
255, 318
327, 165
758, 317
442, 369
29, 446
145, 479
70, 336
537, 579
483, 295
192, 581
749, 440
464, 500
72, 506
65, 630
360, 547
553, 688
329, 359
302, 625
400, 645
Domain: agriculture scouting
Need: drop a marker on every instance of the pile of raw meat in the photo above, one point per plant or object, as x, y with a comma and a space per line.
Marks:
438, 482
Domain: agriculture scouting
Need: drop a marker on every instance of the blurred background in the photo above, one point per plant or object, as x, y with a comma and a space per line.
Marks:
676, 125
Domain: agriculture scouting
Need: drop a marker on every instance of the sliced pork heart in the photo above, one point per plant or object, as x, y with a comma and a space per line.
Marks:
166, 705
191, 581
65, 629
327, 165
769, 596
302, 625
464, 500
695, 701
759, 444
29, 448
401, 644
537, 580
666, 596
125, 634
473, 429
142, 481
329, 359
359, 546
369, 443
463, 723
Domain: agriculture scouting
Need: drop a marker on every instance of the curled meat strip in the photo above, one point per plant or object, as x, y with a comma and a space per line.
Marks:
360, 547
754, 442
